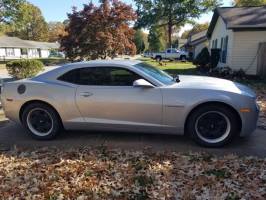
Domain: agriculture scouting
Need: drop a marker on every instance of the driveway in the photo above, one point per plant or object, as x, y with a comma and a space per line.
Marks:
12, 134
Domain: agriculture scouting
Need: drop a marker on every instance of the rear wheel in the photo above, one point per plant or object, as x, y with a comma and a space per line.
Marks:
158, 58
213, 126
42, 121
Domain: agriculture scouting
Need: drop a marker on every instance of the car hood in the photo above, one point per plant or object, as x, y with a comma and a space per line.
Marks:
210, 83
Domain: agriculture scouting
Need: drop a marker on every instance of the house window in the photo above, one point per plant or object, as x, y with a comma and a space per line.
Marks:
216, 44
10, 52
34, 53
221, 49
213, 44
24, 51
224, 50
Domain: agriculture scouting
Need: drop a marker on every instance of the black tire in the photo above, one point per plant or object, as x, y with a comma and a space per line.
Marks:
47, 113
183, 58
205, 132
158, 58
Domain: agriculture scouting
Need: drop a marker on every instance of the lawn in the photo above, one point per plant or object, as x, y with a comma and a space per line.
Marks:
173, 67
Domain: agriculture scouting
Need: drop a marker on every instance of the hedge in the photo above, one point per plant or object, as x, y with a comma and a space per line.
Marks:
21, 69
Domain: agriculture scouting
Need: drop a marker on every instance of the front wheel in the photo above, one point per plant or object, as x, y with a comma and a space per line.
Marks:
213, 126
158, 58
42, 121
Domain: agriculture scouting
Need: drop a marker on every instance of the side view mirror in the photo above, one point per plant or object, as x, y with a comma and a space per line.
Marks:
142, 83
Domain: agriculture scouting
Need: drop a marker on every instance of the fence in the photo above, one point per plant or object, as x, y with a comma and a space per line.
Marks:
262, 60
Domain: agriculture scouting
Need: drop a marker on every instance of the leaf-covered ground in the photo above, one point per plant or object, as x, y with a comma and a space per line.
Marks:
113, 174
262, 103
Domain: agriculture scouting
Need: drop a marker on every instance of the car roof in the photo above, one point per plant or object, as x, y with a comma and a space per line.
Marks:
61, 69
103, 62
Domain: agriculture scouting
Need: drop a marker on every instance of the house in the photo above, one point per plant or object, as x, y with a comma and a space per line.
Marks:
16, 48
196, 42
238, 32
181, 43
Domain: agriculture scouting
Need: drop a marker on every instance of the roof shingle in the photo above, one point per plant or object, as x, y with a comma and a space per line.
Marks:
14, 42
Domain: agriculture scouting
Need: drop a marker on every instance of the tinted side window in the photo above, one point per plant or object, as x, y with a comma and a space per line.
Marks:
105, 76
70, 76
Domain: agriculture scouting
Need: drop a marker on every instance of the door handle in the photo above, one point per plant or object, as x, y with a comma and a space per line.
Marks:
86, 94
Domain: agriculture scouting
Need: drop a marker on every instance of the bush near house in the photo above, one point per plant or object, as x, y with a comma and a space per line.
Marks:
52, 61
215, 57
203, 58
20, 69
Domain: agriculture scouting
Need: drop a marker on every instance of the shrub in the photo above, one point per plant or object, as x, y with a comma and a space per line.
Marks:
215, 57
228, 73
203, 58
20, 69
53, 61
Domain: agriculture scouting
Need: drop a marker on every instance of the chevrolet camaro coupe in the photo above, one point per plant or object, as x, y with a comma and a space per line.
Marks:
131, 96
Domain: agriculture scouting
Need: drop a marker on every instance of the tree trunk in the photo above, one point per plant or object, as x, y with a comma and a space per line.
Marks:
170, 30
170, 26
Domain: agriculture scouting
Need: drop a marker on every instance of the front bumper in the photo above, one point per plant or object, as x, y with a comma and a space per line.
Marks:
249, 121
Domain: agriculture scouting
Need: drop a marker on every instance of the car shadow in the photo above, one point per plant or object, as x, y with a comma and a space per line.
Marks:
14, 135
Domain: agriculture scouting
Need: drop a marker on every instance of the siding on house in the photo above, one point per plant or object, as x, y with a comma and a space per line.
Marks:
45, 53
2, 52
199, 47
244, 52
220, 31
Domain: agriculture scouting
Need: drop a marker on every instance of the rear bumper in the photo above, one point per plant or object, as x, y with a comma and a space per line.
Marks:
249, 121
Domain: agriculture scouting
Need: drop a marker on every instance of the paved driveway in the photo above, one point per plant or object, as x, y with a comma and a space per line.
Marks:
12, 134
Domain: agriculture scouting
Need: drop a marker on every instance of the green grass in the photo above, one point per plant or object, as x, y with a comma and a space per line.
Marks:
2, 66
173, 67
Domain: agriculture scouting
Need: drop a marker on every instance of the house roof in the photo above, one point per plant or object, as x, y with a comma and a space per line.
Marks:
182, 41
241, 18
199, 35
14, 42
197, 38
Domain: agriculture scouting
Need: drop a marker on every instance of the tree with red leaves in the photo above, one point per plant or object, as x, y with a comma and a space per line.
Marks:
100, 31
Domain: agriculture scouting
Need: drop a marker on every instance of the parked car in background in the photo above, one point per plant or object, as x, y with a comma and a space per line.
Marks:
131, 96
147, 54
171, 54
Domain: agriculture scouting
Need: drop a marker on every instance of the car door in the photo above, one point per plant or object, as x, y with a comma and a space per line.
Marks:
171, 54
106, 96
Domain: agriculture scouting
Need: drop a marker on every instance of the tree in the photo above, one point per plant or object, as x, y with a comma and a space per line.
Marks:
139, 41
9, 9
240, 3
29, 23
155, 39
56, 30
196, 29
171, 13
100, 31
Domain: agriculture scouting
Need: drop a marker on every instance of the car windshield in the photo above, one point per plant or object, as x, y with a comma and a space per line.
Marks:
156, 73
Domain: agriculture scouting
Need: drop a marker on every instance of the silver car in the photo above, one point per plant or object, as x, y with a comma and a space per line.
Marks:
131, 96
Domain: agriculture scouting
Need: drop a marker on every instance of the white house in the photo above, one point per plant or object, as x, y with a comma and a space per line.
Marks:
196, 43
15, 48
237, 32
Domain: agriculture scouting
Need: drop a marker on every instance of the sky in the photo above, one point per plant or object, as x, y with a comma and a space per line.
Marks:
56, 10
